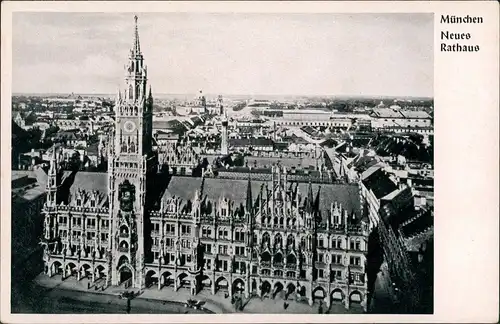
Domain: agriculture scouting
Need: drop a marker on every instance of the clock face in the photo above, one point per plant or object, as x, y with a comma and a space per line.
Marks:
129, 126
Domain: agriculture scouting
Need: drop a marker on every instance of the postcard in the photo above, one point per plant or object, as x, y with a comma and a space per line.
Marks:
249, 162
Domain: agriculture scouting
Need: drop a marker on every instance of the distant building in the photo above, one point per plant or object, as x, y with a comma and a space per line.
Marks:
24, 120
386, 117
199, 105
178, 157
251, 144
406, 234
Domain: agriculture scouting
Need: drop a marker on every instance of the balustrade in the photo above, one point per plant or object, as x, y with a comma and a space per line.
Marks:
266, 264
278, 265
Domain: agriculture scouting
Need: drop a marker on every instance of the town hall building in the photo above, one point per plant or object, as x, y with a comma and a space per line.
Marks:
140, 226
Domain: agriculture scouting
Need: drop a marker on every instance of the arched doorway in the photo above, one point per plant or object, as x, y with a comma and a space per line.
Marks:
318, 294
166, 279
151, 278
221, 284
278, 288
356, 297
206, 282
183, 281
254, 286
266, 287
99, 272
85, 271
71, 270
290, 289
337, 295
125, 275
238, 286
56, 268
301, 291
122, 260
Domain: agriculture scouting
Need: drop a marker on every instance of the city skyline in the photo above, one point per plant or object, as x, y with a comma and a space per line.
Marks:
86, 55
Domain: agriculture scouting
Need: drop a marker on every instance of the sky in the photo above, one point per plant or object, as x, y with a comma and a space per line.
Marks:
227, 53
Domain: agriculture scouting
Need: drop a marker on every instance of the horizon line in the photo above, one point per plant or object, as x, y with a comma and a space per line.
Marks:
229, 94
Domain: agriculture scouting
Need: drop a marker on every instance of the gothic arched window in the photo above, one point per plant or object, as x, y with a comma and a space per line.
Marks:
303, 243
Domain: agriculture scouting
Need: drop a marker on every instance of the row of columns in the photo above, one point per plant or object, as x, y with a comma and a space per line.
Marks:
80, 274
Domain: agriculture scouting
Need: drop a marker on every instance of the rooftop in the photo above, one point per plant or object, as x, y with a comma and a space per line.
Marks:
415, 114
251, 142
379, 183
386, 113
235, 190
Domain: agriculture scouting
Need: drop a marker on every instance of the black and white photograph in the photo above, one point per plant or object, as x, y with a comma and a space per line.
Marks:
161, 163
204, 162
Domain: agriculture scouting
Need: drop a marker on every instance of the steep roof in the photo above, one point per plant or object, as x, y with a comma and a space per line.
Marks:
379, 183
386, 113
236, 191
251, 142
416, 114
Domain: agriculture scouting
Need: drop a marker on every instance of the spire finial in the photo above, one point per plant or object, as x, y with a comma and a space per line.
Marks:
137, 46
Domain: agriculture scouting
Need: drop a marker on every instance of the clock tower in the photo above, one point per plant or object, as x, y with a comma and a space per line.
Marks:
130, 169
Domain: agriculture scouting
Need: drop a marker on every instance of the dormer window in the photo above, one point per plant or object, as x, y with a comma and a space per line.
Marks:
78, 202
92, 203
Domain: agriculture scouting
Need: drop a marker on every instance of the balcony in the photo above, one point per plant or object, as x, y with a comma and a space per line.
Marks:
123, 249
291, 266
358, 283
278, 265
265, 264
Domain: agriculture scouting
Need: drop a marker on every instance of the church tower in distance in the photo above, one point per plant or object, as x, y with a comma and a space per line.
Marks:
130, 169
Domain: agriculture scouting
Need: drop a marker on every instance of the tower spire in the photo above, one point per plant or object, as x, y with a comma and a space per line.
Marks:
53, 163
249, 204
137, 45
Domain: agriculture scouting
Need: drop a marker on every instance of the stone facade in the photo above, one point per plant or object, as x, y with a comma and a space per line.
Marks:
135, 235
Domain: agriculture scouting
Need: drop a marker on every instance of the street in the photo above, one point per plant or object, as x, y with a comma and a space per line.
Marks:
32, 298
